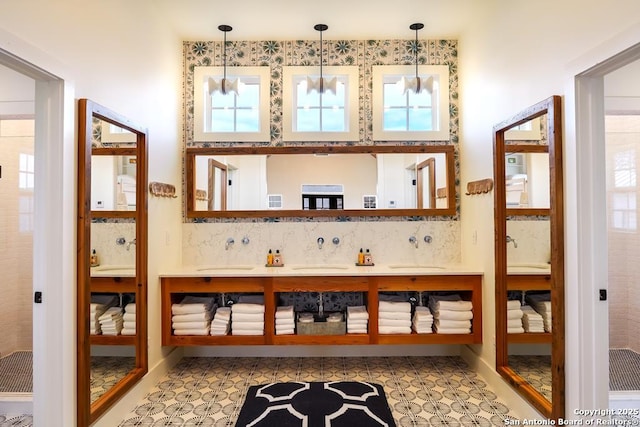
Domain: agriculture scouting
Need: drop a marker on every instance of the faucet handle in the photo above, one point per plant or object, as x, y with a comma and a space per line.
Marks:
413, 241
320, 242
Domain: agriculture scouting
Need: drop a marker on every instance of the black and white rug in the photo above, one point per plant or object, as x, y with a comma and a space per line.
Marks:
316, 404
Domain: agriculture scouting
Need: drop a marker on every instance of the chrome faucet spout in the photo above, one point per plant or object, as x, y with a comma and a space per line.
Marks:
228, 243
131, 242
413, 241
320, 242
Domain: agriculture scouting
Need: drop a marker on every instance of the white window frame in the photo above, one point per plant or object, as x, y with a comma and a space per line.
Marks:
276, 198
440, 74
369, 201
291, 75
200, 91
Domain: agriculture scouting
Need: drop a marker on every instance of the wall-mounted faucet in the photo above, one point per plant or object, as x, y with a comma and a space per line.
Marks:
336, 241
512, 240
413, 241
228, 243
131, 242
320, 242
245, 240
428, 239
121, 241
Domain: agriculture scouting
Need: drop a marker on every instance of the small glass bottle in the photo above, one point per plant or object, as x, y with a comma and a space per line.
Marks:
361, 257
270, 258
368, 258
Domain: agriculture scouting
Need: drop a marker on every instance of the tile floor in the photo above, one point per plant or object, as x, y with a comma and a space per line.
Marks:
421, 391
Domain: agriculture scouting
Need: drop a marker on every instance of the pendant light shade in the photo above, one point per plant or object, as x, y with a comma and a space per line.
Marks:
321, 85
416, 84
223, 86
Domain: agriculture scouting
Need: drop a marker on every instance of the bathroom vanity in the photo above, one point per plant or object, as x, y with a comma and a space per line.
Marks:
370, 281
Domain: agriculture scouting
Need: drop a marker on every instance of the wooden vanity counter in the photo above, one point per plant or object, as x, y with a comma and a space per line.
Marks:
270, 281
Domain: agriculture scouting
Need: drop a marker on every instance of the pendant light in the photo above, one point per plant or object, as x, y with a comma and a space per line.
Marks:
417, 84
223, 86
320, 85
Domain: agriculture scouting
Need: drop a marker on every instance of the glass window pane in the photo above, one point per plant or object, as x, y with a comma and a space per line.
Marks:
420, 119
247, 121
422, 99
308, 120
222, 121
333, 120
249, 96
395, 119
393, 97
219, 100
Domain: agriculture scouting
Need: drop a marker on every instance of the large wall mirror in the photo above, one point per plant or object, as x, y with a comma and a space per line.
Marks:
320, 181
112, 258
529, 255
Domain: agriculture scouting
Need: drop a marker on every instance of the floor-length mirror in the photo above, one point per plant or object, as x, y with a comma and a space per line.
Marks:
529, 255
112, 258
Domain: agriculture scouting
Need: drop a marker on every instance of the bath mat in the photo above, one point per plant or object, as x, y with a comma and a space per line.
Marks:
16, 372
316, 404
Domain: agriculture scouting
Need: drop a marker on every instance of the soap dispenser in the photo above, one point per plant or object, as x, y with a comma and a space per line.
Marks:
93, 260
278, 259
361, 257
270, 258
368, 258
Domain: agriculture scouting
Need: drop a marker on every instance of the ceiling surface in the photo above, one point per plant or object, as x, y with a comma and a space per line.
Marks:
294, 19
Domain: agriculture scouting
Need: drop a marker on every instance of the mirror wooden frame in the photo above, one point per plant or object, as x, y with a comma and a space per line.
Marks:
552, 108
88, 412
192, 152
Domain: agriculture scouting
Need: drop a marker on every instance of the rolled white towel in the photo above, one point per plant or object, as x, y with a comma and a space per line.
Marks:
190, 325
357, 330
247, 317
453, 315
513, 304
194, 317
422, 329
394, 329
454, 305
192, 304
247, 325
193, 331
514, 323
357, 312
223, 313
130, 308
392, 315
452, 324
515, 330
128, 331
453, 330
284, 312
247, 331
127, 316
285, 331
285, 322
514, 314
247, 308
357, 322
394, 306
220, 322
394, 322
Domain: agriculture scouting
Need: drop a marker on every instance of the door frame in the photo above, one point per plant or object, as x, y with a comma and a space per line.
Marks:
54, 246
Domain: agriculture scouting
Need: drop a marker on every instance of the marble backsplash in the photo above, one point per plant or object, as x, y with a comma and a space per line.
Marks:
204, 243
533, 239
103, 240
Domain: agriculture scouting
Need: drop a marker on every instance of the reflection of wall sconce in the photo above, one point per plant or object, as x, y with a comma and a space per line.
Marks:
417, 84
320, 85
223, 86
160, 189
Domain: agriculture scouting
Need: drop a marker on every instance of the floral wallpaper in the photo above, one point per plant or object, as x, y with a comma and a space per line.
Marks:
362, 53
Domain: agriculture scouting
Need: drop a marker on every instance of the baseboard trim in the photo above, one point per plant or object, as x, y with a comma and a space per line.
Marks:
114, 415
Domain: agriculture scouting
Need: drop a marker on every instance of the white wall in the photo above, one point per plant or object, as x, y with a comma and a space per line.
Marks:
120, 55
515, 54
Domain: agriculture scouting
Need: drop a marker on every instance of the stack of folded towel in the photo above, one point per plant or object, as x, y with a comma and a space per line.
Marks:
99, 304
247, 319
357, 319
394, 317
532, 320
285, 320
542, 304
129, 319
221, 323
514, 317
111, 321
192, 316
451, 314
422, 320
